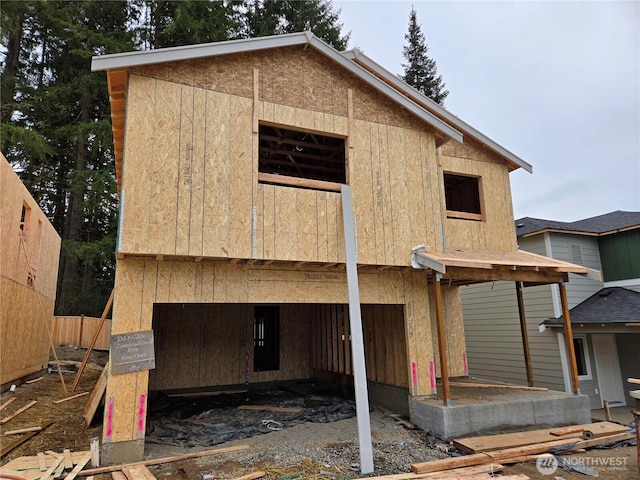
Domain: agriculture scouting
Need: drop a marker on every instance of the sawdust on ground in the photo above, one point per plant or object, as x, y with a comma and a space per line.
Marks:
304, 451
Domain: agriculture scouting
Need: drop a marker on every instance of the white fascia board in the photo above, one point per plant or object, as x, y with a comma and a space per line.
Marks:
428, 262
386, 90
356, 55
187, 52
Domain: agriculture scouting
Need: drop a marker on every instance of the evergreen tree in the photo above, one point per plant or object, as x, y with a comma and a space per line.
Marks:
269, 17
420, 70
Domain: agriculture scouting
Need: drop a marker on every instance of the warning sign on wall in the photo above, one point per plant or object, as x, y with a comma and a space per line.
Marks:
132, 352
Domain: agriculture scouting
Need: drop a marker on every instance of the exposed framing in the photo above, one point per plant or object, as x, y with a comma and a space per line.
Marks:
301, 158
471, 207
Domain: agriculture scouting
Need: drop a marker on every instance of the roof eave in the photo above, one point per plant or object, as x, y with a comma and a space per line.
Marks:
360, 58
188, 52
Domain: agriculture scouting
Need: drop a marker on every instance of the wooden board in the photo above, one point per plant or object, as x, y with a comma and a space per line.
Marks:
489, 443
96, 396
137, 472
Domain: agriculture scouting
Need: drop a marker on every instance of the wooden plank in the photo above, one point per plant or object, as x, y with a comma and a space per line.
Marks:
488, 457
489, 443
18, 412
81, 464
48, 474
465, 472
72, 397
96, 396
68, 461
251, 476
34, 380
7, 403
158, 461
267, 408
6, 449
137, 472
42, 462
205, 394
118, 476
22, 430
568, 337
602, 440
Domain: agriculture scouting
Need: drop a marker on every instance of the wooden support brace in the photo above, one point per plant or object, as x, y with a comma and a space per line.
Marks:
442, 341
525, 334
568, 338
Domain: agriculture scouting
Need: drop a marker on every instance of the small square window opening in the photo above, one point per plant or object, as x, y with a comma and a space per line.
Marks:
463, 196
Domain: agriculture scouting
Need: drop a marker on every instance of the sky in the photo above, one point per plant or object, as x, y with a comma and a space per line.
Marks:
557, 83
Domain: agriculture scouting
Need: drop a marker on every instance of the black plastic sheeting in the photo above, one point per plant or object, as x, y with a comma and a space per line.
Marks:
208, 421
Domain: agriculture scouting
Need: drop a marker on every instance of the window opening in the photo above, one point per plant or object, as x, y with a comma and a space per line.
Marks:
302, 159
463, 196
25, 218
266, 338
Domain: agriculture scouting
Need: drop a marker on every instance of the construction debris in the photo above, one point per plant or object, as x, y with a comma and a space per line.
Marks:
49, 465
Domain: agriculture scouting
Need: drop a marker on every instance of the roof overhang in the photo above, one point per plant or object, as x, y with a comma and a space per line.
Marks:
463, 267
376, 69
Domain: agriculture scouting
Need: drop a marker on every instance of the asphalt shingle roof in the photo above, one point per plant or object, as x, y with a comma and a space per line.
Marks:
608, 222
609, 305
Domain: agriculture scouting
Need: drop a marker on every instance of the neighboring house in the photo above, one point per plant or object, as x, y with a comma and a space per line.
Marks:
253, 176
605, 314
30, 249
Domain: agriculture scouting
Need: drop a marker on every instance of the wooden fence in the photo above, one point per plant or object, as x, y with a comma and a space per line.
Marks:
79, 331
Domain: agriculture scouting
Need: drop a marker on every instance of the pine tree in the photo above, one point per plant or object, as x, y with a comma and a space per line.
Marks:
269, 17
420, 70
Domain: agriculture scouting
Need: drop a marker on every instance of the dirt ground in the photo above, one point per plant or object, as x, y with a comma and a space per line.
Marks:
304, 451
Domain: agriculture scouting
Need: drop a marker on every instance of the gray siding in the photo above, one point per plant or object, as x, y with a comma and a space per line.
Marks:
492, 328
563, 247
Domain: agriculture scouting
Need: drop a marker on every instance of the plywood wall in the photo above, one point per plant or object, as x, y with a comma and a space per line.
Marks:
199, 345
80, 331
496, 232
24, 345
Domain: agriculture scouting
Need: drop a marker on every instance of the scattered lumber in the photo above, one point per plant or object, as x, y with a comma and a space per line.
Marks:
49, 465
601, 440
21, 430
18, 412
634, 380
252, 476
496, 385
496, 456
8, 402
16, 443
118, 476
137, 472
398, 418
267, 408
158, 461
72, 397
488, 443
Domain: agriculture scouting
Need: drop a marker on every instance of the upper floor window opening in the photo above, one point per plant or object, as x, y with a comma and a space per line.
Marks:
25, 219
463, 196
301, 158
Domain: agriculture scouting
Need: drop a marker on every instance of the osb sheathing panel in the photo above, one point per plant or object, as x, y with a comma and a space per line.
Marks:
295, 76
191, 188
24, 350
202, 345
140, 284
496, 232
454, 331
24, 344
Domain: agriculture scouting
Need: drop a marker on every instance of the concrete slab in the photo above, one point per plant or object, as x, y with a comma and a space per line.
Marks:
474, 411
